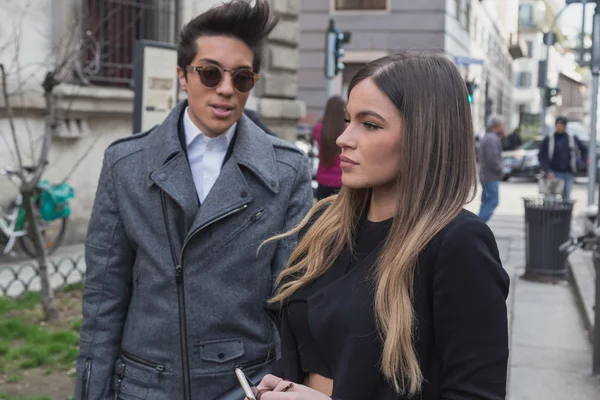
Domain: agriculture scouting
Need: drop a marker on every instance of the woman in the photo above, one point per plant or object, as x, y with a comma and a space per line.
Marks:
395, 291
326, 132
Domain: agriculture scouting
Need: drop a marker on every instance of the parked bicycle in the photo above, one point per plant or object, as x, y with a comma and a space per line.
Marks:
51, 213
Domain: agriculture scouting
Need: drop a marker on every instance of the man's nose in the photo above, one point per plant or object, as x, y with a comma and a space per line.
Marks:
226, 88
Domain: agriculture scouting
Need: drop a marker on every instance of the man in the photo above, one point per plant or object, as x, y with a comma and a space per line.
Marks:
561, 155
513, 141
491, 166
174, 291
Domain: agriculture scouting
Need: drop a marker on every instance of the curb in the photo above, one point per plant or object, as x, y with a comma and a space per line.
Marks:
583, 284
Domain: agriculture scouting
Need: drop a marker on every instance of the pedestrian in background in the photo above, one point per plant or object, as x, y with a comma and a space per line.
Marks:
561, 155
394, 290
174, 289
325, 133
491, 166
513, 141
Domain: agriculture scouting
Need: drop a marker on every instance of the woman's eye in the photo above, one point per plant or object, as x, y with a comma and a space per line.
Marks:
347, 120
371, 126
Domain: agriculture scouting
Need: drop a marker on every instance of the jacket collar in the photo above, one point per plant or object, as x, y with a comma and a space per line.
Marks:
252, 149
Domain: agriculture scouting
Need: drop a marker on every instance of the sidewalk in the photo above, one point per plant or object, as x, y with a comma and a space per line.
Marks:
551, 357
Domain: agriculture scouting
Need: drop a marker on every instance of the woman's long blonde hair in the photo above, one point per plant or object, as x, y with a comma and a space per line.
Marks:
437, 178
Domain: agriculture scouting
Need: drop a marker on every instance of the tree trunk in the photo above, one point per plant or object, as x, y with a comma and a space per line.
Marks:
50, 311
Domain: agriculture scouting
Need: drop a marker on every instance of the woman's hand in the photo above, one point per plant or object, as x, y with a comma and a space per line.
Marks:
274, 388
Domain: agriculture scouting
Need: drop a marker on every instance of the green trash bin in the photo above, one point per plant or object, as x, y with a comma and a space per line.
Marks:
547, 226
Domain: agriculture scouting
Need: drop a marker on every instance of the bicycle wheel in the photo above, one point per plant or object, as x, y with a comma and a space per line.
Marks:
53, 233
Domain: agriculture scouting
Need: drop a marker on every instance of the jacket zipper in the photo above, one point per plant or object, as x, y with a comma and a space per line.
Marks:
86, 379
158, 367
180, 294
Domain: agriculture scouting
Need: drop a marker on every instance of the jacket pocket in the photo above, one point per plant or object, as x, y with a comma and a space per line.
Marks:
221, 351
85, 382
128, 389
134, 376
256, 216
139, 360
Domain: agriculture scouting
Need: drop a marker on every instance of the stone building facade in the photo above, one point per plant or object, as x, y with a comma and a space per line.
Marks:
95, 102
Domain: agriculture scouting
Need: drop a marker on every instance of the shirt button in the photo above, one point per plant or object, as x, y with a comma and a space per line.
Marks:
209, 147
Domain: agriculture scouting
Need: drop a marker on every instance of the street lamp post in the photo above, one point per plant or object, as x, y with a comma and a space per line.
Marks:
595, 64
543, 70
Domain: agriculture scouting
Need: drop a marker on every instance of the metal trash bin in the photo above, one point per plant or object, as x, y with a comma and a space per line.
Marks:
547, 226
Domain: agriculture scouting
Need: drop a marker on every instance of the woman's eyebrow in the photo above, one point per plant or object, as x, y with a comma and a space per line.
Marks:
369, 113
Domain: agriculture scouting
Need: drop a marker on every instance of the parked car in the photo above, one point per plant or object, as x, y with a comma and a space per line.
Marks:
523, 162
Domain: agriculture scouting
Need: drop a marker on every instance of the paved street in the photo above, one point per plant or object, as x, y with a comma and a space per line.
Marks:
550, 353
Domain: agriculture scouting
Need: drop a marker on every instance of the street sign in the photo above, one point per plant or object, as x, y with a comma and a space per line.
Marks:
464, 60
156, 86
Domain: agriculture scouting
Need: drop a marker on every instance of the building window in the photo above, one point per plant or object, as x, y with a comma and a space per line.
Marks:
523, 80
526, 15
346, 5
530, 48
113, 26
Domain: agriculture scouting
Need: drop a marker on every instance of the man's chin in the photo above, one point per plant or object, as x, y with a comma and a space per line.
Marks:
218, 129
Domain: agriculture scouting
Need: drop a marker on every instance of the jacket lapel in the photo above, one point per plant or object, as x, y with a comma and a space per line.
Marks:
229, 194
168, 167
252, 150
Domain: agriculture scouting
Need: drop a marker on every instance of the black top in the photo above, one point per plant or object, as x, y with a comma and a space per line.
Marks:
461, 330
369, 238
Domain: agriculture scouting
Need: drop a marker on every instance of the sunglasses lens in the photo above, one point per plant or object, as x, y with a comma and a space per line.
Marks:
210, 76
243, 80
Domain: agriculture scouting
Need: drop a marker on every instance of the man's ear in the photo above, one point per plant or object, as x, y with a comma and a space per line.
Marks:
182, 79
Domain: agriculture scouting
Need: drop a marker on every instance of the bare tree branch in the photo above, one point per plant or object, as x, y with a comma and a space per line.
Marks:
11, 121
13, 157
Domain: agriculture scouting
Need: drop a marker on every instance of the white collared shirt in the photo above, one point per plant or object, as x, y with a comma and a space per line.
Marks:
205, 155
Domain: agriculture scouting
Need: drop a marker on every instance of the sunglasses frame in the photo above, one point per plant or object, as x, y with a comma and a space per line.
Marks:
199, 68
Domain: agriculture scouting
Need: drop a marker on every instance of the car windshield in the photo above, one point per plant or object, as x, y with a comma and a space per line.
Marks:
531, 144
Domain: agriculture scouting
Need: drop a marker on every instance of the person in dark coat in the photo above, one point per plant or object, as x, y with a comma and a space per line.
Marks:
561, 155
512, 141
394, 291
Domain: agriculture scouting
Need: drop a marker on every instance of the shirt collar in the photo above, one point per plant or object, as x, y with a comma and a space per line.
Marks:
192, 131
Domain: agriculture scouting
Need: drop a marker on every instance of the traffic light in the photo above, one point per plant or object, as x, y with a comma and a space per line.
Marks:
342, 39
551, 94
471, 86
335, 41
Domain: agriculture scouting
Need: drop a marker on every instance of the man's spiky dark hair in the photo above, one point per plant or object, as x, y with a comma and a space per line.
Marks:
236, 18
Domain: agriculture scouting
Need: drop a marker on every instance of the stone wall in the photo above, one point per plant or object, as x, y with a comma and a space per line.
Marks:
277, 88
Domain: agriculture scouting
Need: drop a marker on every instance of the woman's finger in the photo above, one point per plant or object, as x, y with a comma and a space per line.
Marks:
284, 386
269, 382
277, 396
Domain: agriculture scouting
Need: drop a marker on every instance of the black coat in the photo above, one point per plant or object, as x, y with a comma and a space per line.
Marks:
461, 332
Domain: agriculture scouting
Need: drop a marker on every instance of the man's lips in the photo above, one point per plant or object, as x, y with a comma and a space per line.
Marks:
222, 106
222, 110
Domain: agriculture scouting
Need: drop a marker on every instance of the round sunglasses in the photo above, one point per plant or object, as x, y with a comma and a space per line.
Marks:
211, 76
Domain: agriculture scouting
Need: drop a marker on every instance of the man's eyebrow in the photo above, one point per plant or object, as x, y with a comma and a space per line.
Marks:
211, 61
